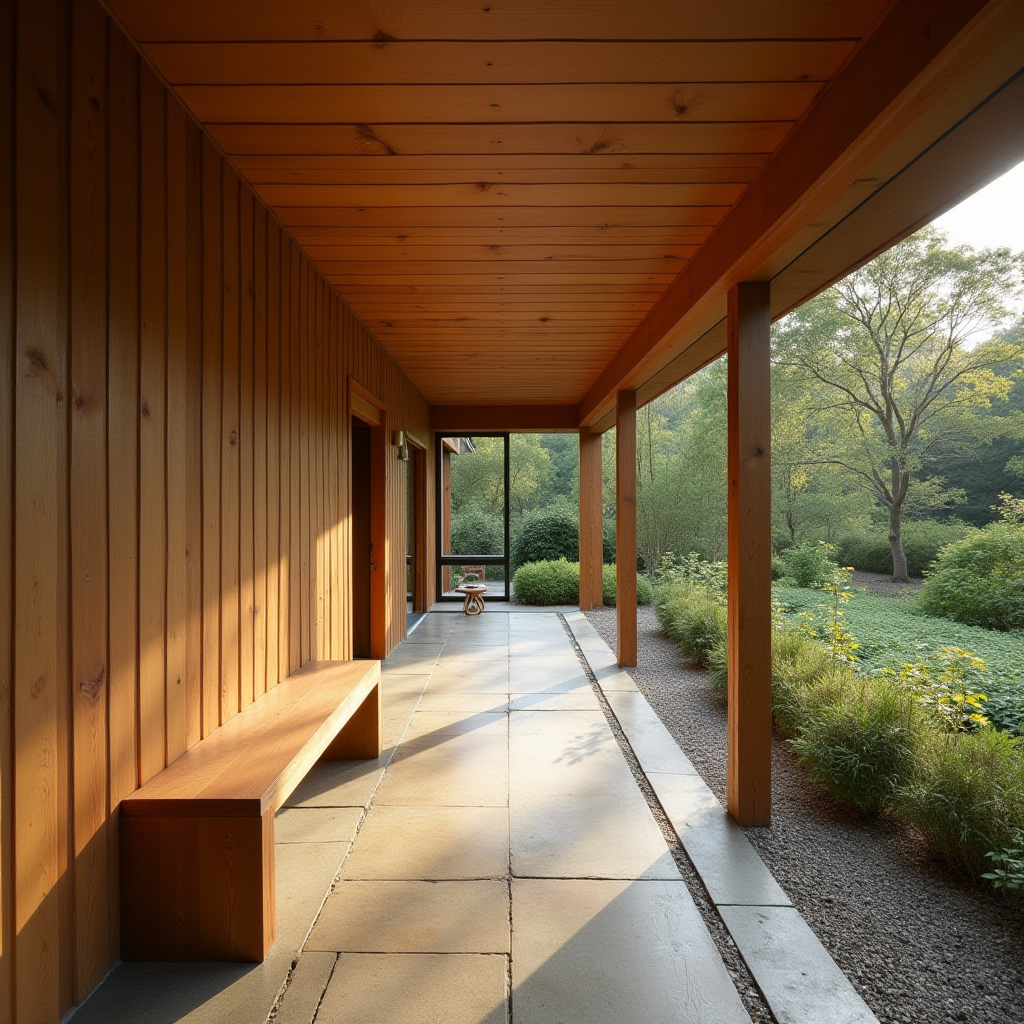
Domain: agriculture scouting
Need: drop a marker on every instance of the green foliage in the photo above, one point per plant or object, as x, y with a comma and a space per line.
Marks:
477, 531
1008, 865
980, 580
548, 582
967, 796
608, 542
891, 633
644, 590
691, 568
863, 745
693, 617
547, 534
922, 541
808, 565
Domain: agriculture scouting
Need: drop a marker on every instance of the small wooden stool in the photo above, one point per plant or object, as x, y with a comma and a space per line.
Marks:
474, 603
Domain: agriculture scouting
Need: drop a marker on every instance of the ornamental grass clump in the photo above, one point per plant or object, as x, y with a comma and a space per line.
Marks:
692, 616
861, 740
967, 796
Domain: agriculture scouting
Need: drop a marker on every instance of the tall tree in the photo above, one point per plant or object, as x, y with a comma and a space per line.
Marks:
890, 348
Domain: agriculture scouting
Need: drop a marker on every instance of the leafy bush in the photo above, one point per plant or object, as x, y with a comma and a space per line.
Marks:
808, 565
863, 745
475, 531
967, 796
712, 576
980, 580
644, 590
693, 617
547, 534
551, 582
558, 582
922, 541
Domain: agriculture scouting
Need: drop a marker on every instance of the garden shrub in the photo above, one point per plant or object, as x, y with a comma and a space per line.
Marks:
861, 745
801, 670
549, 582
980, 580
922, 541
557, 581
808, 565
547, 534
475, 531
693, 617
967, 796
608, 542
644, 590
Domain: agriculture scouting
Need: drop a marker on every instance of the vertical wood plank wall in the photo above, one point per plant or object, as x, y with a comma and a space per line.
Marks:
174, 467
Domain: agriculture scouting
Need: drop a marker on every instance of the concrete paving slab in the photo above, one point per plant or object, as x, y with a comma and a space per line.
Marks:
463, 677
653, 744
412, 658
316, 824
443, 724
535, 646
338, 784
610, 952
610, 677
799, 980
574, 808
557, 674
728, 865
469, 770
305, 989
416, 989
574, 700
431, 843
414, 917
471, 703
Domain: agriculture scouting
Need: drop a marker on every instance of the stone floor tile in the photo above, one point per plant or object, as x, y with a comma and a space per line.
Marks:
540, 646
431, 843
306, 987
338, 784
611, 952
471, 703
611, 677
486, 677
799, 980
417, 989
575, 810
414, 917
574, 700
653, 744
468, 769
445, 723
550, 675
316, 824
412, 658
728, 865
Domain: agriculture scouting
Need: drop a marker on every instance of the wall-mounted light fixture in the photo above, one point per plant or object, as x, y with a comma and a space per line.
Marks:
401, 445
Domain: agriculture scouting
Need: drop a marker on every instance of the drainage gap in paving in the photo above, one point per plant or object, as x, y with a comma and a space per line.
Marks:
753, 1001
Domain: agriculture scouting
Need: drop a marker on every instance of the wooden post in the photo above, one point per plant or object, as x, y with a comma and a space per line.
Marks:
750, 494
625, 526
591, 535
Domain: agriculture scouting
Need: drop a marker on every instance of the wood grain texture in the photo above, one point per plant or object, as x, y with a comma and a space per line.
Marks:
625, 527
246, 451
40, 431
88, 494
7, 374
750, 544
122, 367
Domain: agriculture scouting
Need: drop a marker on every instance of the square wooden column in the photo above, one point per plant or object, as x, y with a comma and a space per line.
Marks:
625, 526
591, 522
750, 592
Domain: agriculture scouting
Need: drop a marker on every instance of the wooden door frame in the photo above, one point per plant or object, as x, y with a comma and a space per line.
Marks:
418, 457
365, 406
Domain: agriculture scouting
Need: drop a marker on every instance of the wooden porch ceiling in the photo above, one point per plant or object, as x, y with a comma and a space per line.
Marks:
504, 191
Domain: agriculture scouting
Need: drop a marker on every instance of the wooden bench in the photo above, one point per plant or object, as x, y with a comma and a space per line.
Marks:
197, 840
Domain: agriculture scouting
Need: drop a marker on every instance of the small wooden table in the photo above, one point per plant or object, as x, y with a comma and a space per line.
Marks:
474, 603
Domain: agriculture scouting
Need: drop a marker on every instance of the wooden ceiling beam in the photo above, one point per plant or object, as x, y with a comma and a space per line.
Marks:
897, 86
518, 418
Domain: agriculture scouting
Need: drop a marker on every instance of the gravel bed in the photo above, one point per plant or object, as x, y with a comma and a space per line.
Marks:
919, 947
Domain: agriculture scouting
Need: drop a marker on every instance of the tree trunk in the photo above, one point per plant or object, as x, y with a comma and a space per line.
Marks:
899, 559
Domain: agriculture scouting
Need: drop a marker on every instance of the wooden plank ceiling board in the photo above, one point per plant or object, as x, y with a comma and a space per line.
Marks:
500, 191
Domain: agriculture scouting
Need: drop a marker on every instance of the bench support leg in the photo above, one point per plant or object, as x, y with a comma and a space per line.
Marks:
362, 737
197, 888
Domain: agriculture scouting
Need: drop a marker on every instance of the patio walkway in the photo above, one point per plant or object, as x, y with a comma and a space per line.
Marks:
499, 860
